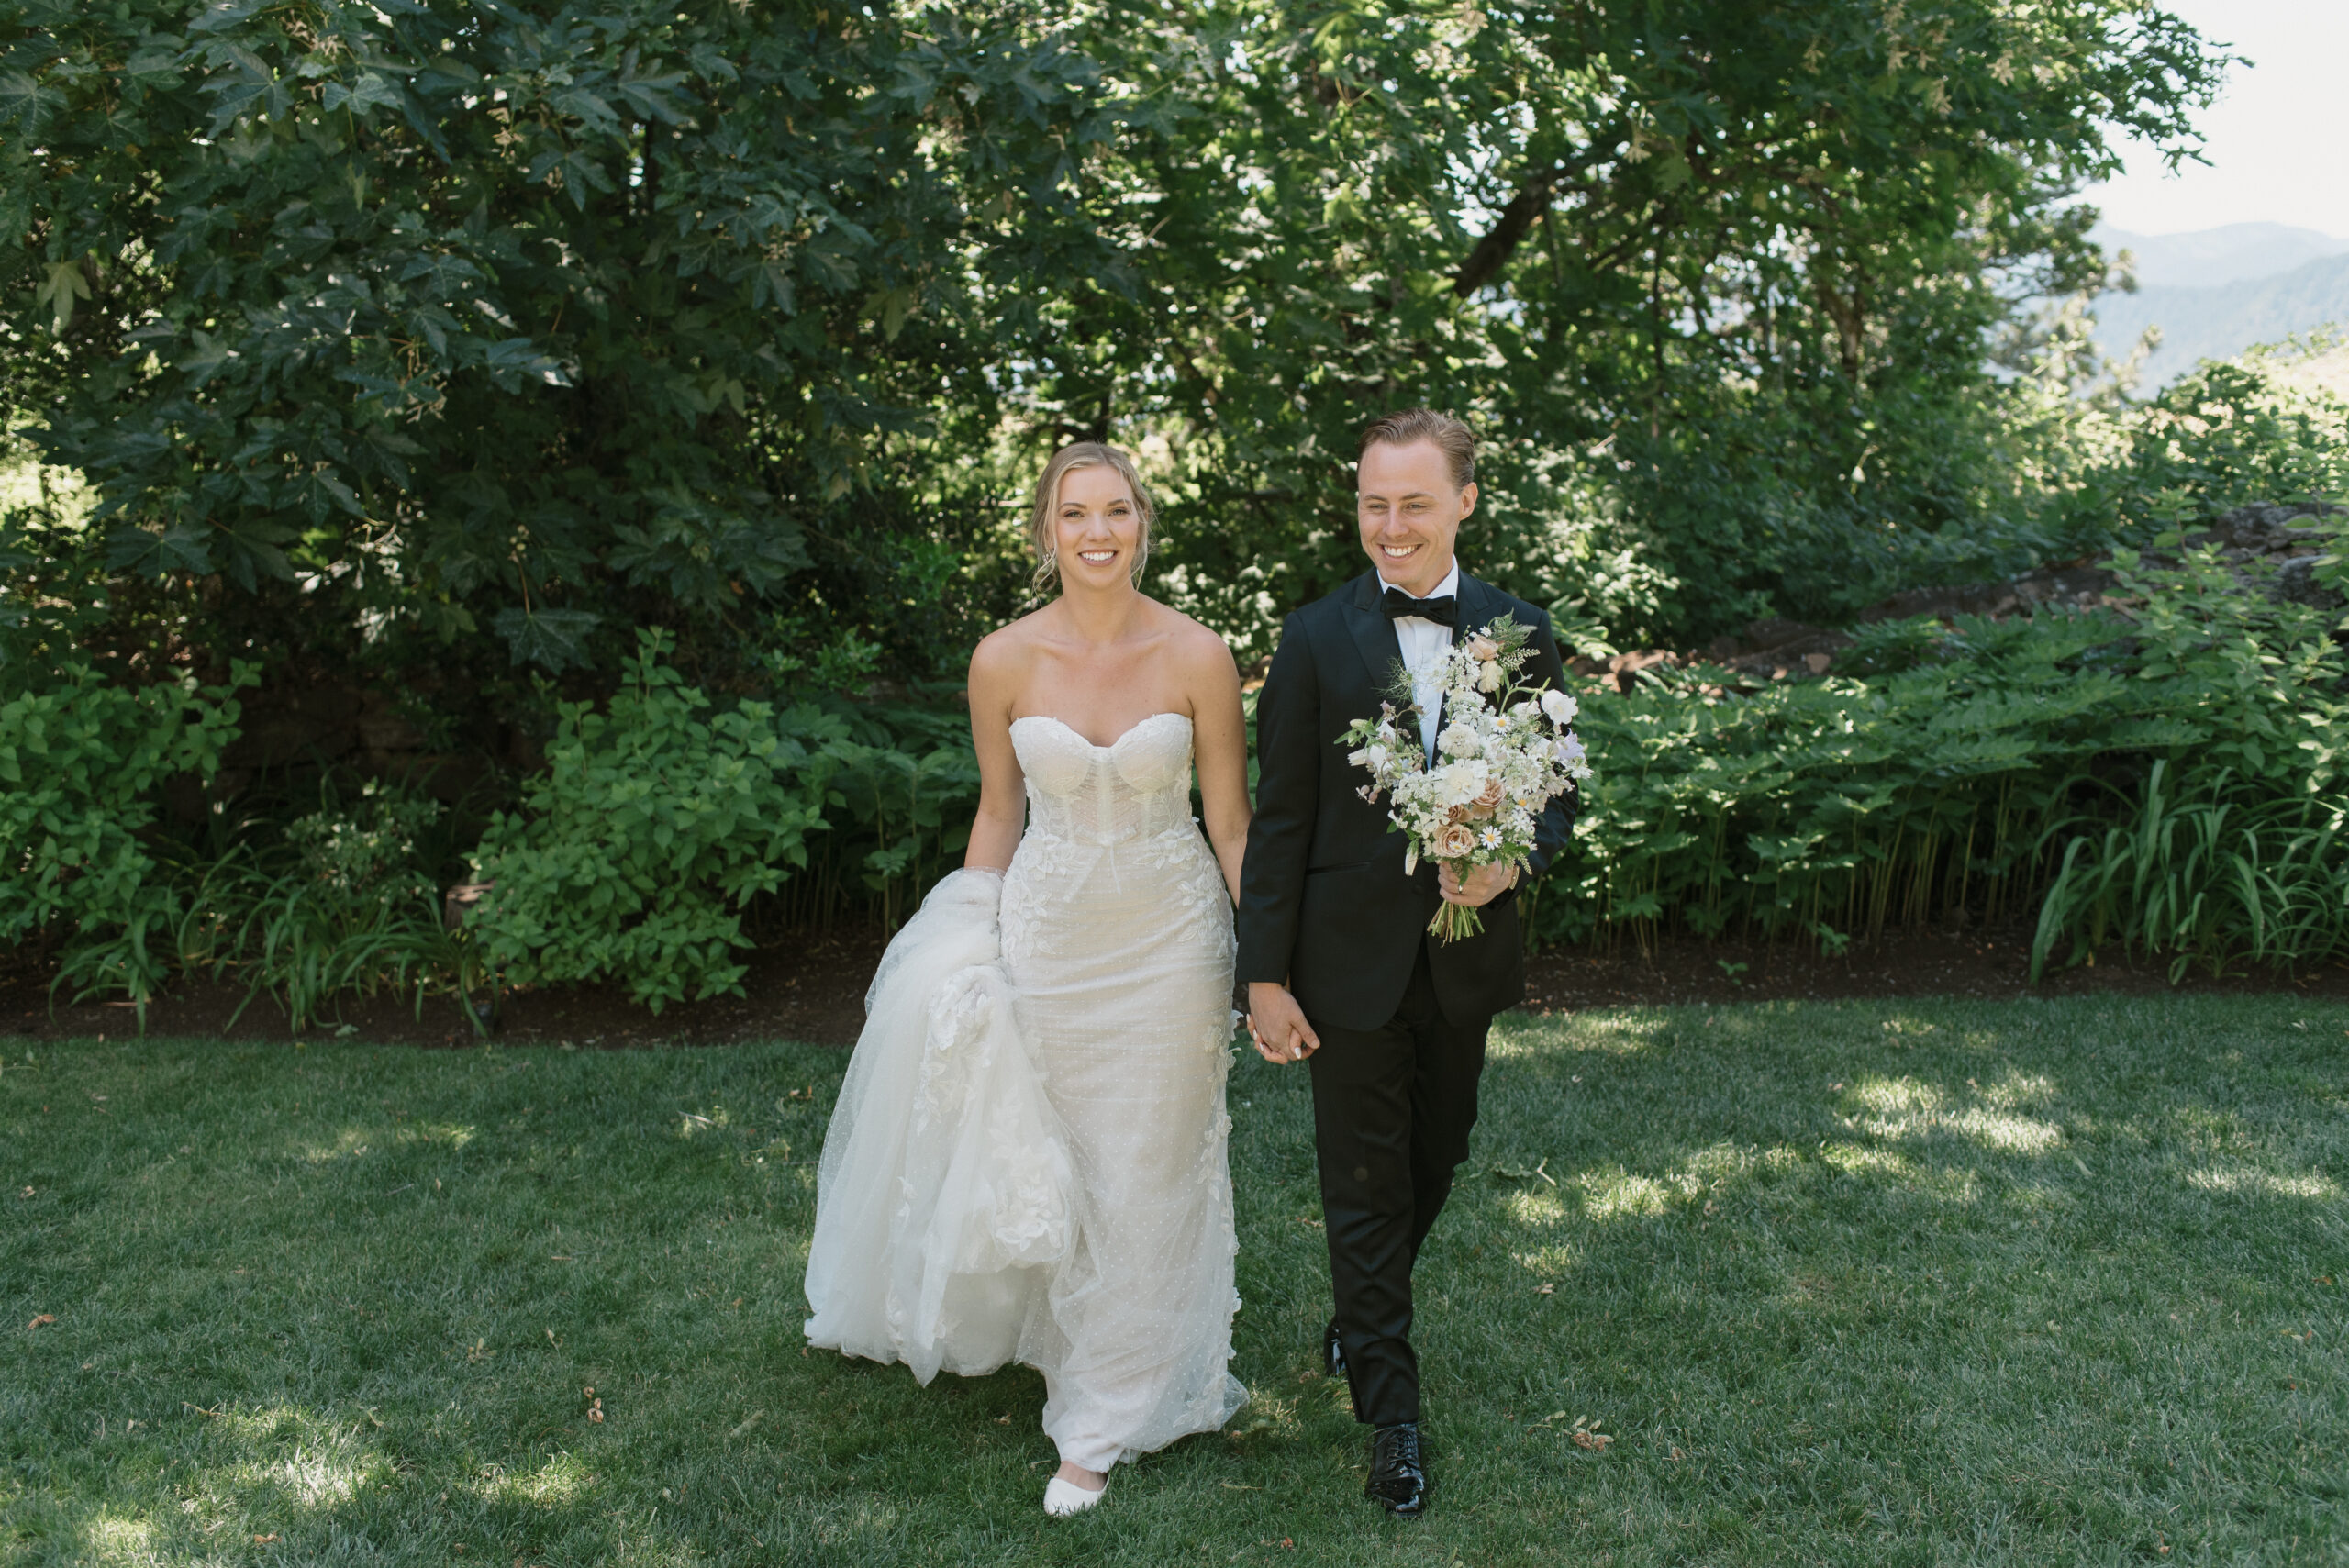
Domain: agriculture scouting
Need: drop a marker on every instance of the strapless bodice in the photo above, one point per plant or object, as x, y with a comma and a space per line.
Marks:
1138, 787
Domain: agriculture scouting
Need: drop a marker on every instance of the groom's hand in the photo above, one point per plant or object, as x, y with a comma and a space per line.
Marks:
1277, 1024
1479, 887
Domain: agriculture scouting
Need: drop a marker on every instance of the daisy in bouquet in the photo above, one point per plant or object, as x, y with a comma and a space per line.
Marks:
1506, 750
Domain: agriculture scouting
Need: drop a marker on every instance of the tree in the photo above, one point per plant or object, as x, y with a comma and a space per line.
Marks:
1717, 277
406, 323
385, 325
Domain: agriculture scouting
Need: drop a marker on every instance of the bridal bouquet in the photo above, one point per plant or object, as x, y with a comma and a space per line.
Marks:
1505, 751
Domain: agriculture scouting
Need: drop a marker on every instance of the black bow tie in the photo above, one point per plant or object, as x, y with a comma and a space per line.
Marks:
1444, 609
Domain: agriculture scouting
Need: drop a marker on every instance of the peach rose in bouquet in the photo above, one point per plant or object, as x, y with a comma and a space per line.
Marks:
1453, 841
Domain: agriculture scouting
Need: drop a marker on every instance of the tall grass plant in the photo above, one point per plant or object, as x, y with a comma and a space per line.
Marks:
2203, 869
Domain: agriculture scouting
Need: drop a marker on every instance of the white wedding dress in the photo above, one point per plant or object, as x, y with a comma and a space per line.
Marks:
1028, 1159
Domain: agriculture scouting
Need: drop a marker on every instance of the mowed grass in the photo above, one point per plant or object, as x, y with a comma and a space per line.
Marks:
1924, 1282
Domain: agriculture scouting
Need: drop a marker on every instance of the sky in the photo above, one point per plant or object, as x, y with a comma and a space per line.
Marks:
2277, 139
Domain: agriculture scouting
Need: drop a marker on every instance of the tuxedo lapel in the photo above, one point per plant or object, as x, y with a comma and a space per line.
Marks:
1374, 633
1480, 605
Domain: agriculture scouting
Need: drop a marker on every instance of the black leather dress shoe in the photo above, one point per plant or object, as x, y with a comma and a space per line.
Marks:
1398, 1477
1333, 1350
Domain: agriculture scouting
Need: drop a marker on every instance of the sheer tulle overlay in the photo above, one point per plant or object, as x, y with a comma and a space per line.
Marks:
945, 1198
1028, 1159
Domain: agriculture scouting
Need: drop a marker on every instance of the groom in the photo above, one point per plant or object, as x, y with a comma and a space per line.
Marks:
1333, 941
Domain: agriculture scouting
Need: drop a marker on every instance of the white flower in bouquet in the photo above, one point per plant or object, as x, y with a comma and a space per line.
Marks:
1459, 739
1457, 783
1505, 752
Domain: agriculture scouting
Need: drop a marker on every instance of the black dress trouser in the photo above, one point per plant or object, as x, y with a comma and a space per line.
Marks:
1392, 1109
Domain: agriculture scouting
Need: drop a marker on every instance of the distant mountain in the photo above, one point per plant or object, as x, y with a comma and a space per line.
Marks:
2217, 323
2209, 256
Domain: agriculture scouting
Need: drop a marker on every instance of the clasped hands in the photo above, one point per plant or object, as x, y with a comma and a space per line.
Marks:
1277, 1024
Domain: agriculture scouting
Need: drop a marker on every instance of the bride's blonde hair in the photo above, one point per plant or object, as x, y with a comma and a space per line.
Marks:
1042, 529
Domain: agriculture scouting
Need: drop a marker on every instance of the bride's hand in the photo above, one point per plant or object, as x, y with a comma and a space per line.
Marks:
1277, 1024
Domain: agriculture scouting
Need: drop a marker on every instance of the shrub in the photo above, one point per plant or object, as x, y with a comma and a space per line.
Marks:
342, 901
1955, 774
1840, 806
636, 857
2225, 435
903, 788
368, 848
81, 761
654, 824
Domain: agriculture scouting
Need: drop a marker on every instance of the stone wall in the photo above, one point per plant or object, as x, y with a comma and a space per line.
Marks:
2273, 547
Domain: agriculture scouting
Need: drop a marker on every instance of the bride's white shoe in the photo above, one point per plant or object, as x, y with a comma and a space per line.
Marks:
1062, 1498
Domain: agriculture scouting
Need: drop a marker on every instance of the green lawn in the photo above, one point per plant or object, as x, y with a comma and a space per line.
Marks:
1864, 1282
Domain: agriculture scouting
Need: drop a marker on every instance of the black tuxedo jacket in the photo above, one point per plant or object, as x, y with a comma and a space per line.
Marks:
1324, 905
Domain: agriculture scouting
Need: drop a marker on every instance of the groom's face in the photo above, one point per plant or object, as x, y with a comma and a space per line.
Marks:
1409, 513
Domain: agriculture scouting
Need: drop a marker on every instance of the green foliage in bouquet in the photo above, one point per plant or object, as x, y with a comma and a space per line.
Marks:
655, 824
1505, 752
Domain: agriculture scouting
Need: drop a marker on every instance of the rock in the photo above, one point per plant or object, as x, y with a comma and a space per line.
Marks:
1965, 599
2273, 547
2062, 588
2296, 583
1780, 648
459, 901
1777, 632
1624, 668
2264, 527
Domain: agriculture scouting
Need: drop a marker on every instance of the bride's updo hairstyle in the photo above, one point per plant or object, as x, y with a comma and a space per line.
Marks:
1455, 440
1042, 524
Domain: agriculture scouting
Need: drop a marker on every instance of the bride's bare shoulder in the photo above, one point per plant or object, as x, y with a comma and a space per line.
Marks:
1001, 666
1193, 644
1007, 651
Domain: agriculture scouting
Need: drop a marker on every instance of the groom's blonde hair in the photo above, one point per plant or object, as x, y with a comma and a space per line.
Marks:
1042, 528
1405, 425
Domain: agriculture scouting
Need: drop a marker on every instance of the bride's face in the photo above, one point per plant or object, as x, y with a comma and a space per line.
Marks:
1097, 528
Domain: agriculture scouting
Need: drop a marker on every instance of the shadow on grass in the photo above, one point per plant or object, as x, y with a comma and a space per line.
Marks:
1841, 1283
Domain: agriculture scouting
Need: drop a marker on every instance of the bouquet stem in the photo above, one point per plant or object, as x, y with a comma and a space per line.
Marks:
1454, 921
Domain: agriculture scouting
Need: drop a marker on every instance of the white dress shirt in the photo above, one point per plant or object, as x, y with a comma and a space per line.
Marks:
1423, 644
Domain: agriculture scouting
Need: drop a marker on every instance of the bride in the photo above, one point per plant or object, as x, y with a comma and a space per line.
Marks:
1028, 1158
